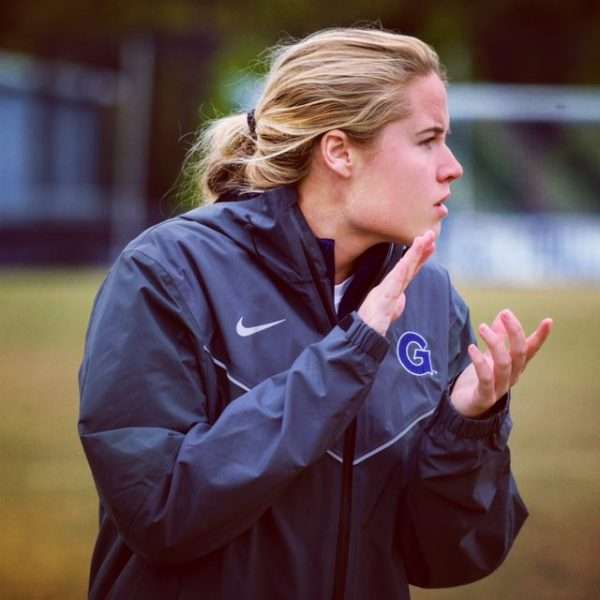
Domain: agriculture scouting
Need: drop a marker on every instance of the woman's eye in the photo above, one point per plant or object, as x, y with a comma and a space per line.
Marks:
427, 142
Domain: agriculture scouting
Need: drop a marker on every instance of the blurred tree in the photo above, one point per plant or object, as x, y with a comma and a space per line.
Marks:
547, 41
537, 41
520, 41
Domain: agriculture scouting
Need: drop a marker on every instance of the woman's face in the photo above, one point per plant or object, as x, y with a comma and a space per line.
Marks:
402, 180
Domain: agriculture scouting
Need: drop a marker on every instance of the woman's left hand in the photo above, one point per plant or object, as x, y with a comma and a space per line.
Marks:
493, 372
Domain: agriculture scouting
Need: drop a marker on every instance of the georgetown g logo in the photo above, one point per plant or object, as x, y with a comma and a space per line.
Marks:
413, 353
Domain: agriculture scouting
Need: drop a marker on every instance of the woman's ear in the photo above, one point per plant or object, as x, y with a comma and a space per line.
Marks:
336, 153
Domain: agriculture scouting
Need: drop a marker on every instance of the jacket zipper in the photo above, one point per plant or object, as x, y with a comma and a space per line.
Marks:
342, 554
343, 540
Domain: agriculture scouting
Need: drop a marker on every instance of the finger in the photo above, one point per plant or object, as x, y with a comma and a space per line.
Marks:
485, 375
426, 249
409, 265
416, 256
499, 329
537, 339
517, 344
500, 357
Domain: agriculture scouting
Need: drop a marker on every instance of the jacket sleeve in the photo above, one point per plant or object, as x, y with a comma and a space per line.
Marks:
176, 487
461, 511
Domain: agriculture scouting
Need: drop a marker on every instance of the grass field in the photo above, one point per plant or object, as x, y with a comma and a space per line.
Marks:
48, 505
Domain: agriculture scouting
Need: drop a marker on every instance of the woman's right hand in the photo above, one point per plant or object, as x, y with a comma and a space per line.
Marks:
386, 301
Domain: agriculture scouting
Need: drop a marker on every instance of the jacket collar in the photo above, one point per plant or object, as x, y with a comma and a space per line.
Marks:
272, 226
369, 269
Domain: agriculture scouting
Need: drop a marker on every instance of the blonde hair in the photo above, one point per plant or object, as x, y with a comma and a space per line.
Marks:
345, 78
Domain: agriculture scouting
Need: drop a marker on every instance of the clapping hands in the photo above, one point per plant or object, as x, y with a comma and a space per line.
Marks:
492, 372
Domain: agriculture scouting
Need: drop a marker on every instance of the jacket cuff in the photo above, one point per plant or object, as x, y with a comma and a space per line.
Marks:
363, 336
473, 427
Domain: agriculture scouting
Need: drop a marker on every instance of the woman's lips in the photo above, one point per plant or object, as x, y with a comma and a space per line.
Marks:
441, 207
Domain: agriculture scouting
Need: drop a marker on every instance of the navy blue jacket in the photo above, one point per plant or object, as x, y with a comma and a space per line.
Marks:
216, 388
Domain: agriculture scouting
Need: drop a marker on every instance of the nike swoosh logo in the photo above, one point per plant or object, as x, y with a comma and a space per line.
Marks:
244, 331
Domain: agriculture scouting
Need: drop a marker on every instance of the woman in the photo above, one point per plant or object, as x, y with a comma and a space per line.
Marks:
268, 409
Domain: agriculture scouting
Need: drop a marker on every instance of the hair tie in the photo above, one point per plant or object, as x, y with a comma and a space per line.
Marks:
250, 119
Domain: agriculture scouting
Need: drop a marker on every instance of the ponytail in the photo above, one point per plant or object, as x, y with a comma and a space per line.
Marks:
225, 146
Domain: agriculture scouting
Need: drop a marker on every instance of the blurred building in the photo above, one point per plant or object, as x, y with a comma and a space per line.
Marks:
92, 143
94, 139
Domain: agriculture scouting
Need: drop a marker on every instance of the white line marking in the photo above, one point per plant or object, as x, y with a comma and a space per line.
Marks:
224, 367
371, 453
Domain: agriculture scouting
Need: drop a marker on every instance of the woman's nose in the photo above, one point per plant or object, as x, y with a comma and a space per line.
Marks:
451, 169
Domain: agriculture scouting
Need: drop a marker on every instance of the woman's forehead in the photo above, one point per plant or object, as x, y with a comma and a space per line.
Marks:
428, 102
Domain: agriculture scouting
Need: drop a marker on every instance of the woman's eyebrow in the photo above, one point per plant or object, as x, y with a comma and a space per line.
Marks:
435, 129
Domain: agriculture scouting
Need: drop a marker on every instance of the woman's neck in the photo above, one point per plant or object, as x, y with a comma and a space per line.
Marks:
324, 213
